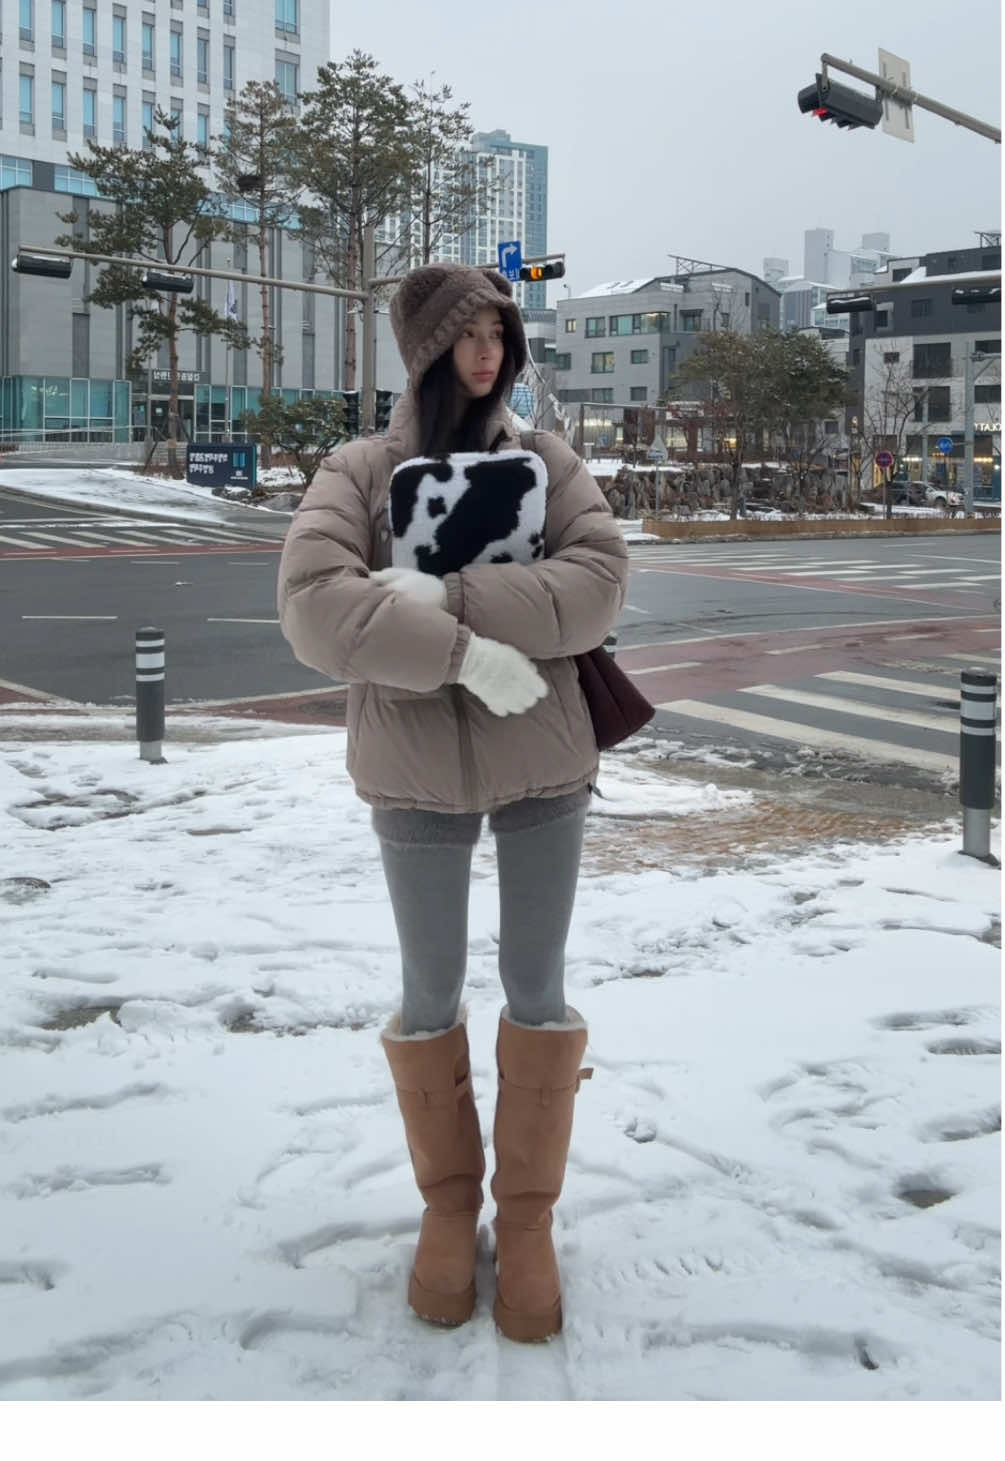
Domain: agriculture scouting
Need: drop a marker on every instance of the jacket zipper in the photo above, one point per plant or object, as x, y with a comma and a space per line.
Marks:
467, 756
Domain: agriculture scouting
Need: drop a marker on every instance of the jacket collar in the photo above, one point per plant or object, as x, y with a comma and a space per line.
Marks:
403, 435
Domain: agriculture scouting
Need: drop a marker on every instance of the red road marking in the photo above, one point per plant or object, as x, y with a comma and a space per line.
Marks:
733, 575
168, 551
734, 663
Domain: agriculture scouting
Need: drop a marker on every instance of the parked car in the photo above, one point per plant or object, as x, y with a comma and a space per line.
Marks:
905, 494
939, 496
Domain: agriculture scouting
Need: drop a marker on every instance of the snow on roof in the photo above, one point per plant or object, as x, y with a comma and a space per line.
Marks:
921, 276
617, 286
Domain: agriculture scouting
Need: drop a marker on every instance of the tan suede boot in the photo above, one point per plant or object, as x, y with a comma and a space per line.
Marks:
432, 1076
539, 1076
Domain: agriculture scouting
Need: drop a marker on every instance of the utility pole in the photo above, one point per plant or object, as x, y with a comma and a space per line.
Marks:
368, 402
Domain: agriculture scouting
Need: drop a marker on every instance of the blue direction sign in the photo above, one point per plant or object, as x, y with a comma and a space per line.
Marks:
511, 259
945, 445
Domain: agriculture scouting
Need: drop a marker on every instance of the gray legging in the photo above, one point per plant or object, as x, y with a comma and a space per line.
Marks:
427, 864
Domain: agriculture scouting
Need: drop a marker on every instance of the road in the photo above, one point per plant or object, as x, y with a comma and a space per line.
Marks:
834, 657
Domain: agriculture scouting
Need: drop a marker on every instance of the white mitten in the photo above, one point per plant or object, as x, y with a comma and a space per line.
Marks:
422, 587
501, 676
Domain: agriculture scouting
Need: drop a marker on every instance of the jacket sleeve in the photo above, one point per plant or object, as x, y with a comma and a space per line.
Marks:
568, 602
335, 618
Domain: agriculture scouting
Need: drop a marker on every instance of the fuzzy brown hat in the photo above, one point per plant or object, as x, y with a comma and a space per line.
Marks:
432, 305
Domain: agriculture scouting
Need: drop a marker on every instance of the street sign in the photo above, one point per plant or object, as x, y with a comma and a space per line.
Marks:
898, 120
884, 459
945, 445
511, 259
222, 464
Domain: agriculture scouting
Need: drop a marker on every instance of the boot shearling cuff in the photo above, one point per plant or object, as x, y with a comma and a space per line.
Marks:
573, 1021
392, 1030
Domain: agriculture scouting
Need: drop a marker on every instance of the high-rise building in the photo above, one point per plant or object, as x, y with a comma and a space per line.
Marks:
512, 204
77, 70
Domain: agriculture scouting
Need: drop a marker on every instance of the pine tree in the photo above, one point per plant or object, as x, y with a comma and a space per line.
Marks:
256, 160
357, 155
164, 213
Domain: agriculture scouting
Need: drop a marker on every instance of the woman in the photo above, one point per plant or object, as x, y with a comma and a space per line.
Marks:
464, 700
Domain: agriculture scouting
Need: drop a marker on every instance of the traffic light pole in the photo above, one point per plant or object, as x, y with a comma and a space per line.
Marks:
367, 297
908, 98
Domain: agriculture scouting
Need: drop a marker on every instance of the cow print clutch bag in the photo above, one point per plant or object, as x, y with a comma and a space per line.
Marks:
469, 507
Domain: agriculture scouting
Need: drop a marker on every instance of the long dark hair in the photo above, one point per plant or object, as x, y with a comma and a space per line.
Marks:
438, 401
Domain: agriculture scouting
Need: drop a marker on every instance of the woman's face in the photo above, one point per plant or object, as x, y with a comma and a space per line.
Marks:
478, 354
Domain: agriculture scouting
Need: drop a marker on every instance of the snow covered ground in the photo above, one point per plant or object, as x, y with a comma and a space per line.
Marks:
784, 1176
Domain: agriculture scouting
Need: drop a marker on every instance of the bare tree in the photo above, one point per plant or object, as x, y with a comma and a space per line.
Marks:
891, 400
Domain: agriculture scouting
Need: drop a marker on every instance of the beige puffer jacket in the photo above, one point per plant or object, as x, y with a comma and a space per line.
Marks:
415, 737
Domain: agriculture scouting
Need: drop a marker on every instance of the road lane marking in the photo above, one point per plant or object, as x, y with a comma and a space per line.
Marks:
34, 694
984, 659
858, 709
242, 621
811, 735
796, 648
681, 664
634, 609
75, 618
711, 634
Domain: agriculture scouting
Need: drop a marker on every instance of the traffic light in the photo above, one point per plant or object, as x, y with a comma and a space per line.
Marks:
383, 410
985, 294
534, 273
43, 264
849, 304
158, 279
351, 401
832, 102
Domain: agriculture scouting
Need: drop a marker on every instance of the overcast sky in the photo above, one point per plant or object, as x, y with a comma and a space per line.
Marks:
672, 125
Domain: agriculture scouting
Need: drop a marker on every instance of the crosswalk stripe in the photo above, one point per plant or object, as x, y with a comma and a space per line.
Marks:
858, 709
809, 735
28, 540
881, 682
981, 659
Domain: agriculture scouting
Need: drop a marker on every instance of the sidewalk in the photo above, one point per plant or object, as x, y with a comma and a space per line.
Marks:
780, 1185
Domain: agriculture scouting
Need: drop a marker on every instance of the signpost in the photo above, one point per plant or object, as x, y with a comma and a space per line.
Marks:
884, 460
222, 464
511, 259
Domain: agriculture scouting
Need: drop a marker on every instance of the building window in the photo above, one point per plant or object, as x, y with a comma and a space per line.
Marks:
58, 106
899, 274
228, 9
640, 393
27, 21
563, 362
202, 60
602, 363
690, 321
228, 68
746, 299
176, 55
119, 39
932, 361
68, 180
640, 357
119, 120
939, 405
920, 309
148, 46
624, 324
831, 428
89, 114
602, 395
989, 347
286, 16
177, 116
570, 327
26, 94
148, 126
202, 128
288, 79
881, 319
987, 395
991, 261
892, 357
59, 25
595, 327
90, 31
